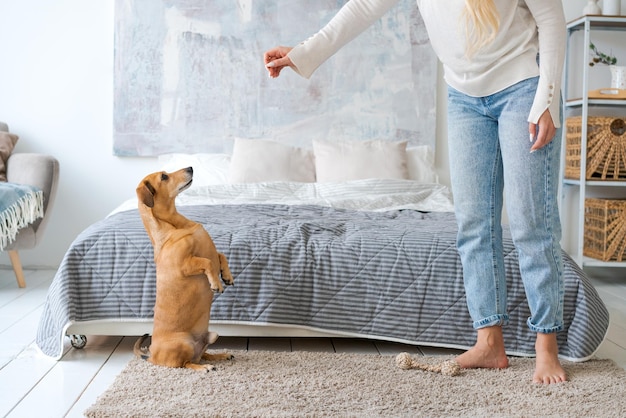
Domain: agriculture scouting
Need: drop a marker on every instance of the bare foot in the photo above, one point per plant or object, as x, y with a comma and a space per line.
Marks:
488, 352
548, 369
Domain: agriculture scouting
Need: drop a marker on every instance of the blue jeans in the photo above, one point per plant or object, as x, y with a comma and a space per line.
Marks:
490, 153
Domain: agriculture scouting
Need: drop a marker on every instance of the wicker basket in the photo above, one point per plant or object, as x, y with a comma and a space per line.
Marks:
606, 148
605, 229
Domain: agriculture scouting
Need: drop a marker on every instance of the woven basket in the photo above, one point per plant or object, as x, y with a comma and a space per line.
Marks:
606, 148
605, 229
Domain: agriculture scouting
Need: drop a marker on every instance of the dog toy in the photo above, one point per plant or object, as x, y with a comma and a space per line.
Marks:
447, 368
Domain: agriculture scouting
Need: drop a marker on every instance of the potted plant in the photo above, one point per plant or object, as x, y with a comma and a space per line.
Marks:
598, 57
618, 73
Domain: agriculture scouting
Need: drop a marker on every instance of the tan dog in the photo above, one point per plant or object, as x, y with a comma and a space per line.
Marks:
185, 258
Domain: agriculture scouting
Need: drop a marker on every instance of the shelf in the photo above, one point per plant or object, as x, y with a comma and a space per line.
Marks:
598, 22
592, 262
595, 102
588, 101
605, 183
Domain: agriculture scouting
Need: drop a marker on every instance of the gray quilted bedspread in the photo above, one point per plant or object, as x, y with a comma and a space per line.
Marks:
392, 275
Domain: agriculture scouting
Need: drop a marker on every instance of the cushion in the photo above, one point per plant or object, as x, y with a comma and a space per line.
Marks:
421, 164
208, 169
260, 160
356, 160
7, 143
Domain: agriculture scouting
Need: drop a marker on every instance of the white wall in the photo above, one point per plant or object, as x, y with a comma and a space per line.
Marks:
56, 93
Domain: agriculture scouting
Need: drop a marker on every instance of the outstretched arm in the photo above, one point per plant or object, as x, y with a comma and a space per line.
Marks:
352, 19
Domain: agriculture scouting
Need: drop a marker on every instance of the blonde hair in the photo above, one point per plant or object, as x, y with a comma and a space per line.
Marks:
482, 22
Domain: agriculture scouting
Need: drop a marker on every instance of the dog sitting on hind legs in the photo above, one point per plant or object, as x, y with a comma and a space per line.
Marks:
189, 269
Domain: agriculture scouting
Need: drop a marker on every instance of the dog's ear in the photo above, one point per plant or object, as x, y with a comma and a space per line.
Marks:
145, 194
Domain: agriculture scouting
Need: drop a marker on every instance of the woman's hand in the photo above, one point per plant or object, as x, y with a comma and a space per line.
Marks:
276, 59
543, 132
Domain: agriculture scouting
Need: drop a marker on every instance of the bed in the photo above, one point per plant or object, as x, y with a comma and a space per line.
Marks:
368, 258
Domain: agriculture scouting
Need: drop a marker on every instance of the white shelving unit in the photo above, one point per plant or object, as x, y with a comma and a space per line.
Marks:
580, 104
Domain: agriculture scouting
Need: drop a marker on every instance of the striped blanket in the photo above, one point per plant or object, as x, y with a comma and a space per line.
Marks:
20, 205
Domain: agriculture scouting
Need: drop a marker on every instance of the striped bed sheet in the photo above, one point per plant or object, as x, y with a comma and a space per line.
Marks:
389, 273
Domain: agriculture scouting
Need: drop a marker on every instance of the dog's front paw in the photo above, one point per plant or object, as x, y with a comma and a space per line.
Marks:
228, 279
216, 284
217, 289
227, 276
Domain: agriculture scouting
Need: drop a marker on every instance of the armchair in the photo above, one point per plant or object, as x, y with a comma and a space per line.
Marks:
38, 170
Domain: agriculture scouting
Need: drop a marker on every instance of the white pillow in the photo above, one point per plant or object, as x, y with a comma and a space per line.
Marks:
356, 160
421, 164
259, 160
208, 169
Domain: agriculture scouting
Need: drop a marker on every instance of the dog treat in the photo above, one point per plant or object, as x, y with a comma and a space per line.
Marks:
447, 368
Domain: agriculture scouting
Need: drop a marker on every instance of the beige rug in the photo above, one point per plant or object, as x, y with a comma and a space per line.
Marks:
268, 384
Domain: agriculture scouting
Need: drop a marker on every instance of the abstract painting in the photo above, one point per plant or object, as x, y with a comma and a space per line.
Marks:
189, 77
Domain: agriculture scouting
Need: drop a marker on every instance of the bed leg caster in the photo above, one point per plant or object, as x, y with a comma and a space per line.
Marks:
78, 341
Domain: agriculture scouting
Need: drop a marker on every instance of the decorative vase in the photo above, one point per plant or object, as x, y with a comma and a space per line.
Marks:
618, 76
611, 7
592, 8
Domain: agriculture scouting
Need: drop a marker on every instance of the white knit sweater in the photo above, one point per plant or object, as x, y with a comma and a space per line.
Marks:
526, 27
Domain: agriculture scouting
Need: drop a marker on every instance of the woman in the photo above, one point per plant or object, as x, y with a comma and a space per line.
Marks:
499, 97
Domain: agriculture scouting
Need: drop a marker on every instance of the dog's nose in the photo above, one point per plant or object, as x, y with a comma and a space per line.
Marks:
189, 170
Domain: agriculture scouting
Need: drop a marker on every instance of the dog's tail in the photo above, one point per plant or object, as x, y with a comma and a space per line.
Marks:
141, 350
